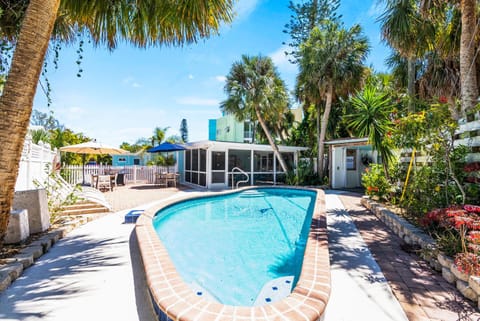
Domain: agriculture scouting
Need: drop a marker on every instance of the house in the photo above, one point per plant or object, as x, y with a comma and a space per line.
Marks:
215, 164
348, 158
140, 158
228, 129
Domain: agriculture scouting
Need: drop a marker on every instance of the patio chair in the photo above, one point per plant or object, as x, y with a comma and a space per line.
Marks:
171, 178
161, 179
104, 183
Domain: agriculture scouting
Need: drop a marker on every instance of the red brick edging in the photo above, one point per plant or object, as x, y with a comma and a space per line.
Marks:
178, 301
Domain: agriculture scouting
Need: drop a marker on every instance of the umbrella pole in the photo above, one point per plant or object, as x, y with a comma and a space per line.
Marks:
83, 169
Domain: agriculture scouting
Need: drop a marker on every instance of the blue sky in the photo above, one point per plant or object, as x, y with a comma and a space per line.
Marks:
123, 95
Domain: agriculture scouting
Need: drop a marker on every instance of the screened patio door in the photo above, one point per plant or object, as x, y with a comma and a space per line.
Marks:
218, 167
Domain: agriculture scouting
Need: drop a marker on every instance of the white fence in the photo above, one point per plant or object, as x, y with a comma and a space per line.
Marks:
135, 174
33, 164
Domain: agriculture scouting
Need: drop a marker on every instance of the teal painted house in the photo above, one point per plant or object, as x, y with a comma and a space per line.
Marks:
129, 160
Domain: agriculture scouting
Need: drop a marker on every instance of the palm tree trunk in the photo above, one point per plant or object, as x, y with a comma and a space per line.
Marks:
323, 129
411, 83
318, 139
17, 100
270, 140
468, 73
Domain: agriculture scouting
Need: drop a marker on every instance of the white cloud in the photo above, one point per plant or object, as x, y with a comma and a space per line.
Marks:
130, 81
243, 8
281, 61
220, 78
190, 76
197, 101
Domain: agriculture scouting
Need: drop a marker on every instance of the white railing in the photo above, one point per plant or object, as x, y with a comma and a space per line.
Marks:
240, 171
33, 164
134, 174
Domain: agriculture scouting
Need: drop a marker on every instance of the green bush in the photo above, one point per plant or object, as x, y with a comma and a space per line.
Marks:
375, 182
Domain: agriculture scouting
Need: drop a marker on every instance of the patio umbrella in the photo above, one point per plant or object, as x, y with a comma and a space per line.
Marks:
166, 147
92, 147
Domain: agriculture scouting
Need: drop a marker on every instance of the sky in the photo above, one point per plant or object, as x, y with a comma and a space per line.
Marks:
124, 94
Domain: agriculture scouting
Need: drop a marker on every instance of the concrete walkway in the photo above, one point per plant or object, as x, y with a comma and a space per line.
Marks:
96, 273
360, 291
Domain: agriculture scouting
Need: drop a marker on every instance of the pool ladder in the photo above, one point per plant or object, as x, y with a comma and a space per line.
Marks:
241, 171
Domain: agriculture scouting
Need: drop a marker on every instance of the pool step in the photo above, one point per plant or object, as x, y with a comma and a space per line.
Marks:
275, 290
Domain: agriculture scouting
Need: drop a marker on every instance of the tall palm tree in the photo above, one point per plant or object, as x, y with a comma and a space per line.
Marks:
329, 60
404, 29
255, 91
142, 23
468, 46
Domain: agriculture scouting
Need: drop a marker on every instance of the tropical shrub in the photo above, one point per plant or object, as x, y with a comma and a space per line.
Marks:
375, 182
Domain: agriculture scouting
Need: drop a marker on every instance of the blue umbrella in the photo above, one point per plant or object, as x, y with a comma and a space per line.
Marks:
166, 147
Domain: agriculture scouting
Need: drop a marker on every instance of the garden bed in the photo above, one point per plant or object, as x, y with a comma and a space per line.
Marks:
468, 285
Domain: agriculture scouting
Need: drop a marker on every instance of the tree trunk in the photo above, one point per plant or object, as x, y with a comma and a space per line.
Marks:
323, 129
270, 140
468, 75
17, 100
411, 83
318, 139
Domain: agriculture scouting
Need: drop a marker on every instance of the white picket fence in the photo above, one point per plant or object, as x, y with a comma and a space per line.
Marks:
134, 174
33, 164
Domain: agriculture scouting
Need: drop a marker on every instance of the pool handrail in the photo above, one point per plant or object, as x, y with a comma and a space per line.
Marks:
241, 172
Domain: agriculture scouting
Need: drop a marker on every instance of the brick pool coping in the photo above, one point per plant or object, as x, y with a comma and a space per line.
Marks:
179, 302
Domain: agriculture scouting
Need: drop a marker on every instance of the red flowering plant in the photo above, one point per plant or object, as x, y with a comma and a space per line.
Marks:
464, 223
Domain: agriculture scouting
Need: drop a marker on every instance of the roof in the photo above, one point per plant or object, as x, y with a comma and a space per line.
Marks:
348, 141
217, 145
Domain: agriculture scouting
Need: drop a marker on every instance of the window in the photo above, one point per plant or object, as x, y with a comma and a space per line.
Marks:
136, 161
351, 159
122, 159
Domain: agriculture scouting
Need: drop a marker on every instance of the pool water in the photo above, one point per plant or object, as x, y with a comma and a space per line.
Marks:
230, 246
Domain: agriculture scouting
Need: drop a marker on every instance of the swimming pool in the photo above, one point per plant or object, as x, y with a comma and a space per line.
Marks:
240, 249
176, 296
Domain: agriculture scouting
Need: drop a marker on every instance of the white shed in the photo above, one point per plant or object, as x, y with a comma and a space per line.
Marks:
348, 158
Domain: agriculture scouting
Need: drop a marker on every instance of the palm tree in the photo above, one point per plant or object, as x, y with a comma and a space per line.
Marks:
329, 60
255, 91
404, 29
468, 46
142, 23
159, 135
371, 118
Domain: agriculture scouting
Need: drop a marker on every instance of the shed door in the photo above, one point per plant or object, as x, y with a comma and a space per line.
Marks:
338, 167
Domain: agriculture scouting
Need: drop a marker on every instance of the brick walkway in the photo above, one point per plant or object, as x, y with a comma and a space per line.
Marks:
421, 291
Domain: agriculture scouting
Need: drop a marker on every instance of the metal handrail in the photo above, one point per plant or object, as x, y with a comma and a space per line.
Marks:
241, 172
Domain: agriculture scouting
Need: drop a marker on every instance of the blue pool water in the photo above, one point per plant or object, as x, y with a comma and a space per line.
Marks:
230, 246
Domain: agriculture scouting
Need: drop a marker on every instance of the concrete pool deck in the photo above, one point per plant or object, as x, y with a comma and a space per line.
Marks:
95, 272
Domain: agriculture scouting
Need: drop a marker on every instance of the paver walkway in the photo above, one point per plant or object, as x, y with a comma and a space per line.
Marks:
423, 293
